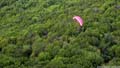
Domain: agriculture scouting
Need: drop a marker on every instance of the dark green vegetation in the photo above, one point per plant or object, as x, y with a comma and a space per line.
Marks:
42, 34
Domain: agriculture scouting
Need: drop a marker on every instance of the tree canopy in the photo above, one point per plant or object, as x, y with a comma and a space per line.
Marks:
42, 33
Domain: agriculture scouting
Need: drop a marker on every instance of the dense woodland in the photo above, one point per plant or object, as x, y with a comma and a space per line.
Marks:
42, 33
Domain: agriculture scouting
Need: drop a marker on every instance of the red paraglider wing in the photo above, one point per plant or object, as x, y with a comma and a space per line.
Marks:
79, 20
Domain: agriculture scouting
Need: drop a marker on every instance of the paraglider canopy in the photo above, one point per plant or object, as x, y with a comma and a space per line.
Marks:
79, 20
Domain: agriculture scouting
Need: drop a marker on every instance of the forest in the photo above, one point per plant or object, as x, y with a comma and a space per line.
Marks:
42, 33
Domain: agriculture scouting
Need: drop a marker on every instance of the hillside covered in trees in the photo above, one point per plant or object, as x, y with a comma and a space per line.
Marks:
42, 33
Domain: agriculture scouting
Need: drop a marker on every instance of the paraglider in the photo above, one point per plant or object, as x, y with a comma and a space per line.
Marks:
79, 20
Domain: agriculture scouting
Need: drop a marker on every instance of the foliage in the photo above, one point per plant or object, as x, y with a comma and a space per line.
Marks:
42, 34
